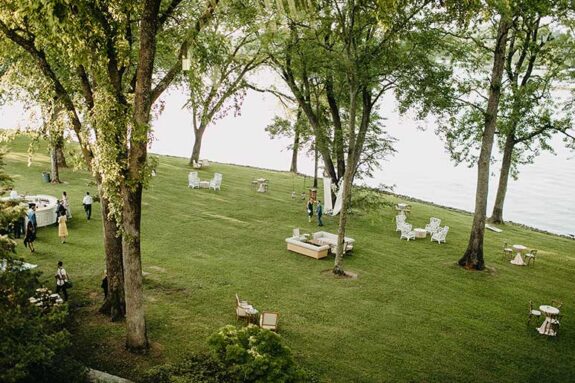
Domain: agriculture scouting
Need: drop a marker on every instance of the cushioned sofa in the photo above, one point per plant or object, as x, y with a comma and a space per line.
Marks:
330, 239
300, 246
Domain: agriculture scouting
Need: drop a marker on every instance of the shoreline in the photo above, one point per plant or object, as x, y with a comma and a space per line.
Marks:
406, 197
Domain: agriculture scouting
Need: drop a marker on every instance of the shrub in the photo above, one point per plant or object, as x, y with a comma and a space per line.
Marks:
252, 354
195, 368
33, 341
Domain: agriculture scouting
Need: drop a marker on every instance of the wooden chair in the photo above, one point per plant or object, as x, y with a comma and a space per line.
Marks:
533, 313
507, 252
269, 320
530, 257
241, 309
557, 304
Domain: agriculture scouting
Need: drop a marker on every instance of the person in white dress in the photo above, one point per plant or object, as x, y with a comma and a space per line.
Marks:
66, 204
62, 280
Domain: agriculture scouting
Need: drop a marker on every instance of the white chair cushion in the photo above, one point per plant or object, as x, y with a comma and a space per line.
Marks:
536, 312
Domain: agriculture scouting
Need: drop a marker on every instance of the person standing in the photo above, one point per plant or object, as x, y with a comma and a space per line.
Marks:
20, 226
32, 215
319, 211
309, 209
104, 285
66, 204
62, 227
30, 236
62, 281
87, 202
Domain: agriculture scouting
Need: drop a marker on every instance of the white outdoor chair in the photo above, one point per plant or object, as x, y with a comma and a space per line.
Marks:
440, 234
216, 182
196, 165
399, 222
296, 233
204, 163
406, 232
532, 313
433, 225
193, 180
241, 307
269, 320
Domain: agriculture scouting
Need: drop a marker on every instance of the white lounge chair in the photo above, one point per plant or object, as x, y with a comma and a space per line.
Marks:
196, 165
204, 163
296, 233
433, 225
269, 320
406, 232
399, 222
216, 182
440, 234
193, 180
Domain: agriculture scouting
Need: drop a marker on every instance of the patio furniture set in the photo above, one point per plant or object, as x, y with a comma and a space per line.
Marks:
195, 182
247, 312
316, 245
261, 185
553, 317
523, 255
433, 228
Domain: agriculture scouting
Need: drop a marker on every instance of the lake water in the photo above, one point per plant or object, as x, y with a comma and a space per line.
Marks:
421, 168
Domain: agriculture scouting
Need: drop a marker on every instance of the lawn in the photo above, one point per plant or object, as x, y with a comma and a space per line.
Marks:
412, 315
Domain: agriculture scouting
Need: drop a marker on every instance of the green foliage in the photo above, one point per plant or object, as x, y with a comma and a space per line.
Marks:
252, 354
34, 345
33, 342
195, 368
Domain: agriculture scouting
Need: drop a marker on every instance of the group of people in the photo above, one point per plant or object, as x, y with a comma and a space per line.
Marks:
318, 210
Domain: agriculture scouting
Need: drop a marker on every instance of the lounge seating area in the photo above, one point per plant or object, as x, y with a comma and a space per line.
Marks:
194, 181
245, 311
316, 245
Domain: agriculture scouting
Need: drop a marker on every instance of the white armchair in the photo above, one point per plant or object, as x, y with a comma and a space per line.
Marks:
440, 234
406, 232
216, 182
399, 222
193, 180
433, 225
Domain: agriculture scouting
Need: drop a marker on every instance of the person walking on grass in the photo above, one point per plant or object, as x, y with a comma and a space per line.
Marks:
62, 227
62, 280
66, 204
32, 215
309, 209
87, 202
319, 211
30, 236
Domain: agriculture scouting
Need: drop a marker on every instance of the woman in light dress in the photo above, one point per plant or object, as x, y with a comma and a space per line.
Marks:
62, 227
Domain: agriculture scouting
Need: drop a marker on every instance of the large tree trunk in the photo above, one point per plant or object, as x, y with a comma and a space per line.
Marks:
497, 214
114, 305
315, 157
473, 256
346, 185
295, 148
61, 158
198, 134
54, 173
137, 339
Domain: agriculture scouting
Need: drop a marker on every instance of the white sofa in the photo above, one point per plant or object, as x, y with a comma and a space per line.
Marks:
298, 245
331, 239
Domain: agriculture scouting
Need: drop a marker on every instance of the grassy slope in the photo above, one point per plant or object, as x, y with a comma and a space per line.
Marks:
411, 316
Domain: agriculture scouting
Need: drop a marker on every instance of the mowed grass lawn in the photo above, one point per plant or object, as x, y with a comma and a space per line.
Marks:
411, 316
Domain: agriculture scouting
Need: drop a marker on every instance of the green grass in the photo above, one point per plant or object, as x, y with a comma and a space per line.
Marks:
411, 316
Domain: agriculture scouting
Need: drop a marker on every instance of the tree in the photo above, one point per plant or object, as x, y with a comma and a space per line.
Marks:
530, 112
104, 75
298, 130
222, 56
340, 61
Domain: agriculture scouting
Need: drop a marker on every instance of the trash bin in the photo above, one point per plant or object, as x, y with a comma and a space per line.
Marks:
46, 177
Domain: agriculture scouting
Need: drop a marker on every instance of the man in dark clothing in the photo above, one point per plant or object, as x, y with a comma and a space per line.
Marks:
319, 211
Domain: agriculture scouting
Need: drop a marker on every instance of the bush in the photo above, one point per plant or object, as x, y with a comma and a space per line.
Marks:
195, 368
252, 354
247, 354
33, 341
